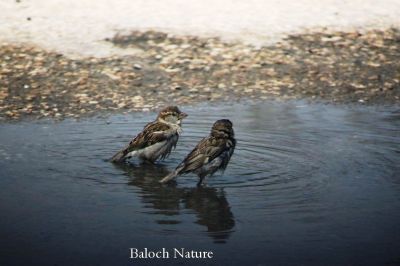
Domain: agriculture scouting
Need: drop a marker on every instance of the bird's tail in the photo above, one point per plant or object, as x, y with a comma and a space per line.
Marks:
178, 171
169, 177
119, 156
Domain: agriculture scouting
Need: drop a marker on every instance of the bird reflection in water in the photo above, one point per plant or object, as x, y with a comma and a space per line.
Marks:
210, 204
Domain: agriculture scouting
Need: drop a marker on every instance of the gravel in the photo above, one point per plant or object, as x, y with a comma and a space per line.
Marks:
333, 66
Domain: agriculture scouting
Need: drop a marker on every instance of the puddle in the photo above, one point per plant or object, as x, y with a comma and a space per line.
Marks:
307, 184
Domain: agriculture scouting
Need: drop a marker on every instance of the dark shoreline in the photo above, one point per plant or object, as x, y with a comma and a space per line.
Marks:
334, 67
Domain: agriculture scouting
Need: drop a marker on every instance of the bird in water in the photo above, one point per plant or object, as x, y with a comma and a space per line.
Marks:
157, 139
210, 155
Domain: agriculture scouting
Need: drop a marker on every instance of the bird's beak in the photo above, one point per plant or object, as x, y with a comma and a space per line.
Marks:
182, 115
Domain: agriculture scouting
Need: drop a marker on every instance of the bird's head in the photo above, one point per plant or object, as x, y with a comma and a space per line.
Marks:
171, 115
223, 129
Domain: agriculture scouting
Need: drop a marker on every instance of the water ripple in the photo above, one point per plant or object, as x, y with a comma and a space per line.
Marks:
304, 166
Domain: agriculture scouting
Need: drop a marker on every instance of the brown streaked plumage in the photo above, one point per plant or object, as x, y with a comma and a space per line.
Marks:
157, 139
211, 153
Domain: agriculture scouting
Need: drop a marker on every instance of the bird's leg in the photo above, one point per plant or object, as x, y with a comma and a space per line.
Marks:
201, 180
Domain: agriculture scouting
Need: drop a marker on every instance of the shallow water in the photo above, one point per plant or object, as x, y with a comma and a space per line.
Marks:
307, 184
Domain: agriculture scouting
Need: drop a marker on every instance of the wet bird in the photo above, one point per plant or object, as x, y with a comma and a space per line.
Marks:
210, 155
157, 139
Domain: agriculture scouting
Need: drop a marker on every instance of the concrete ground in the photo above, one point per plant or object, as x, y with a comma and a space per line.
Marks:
78, 27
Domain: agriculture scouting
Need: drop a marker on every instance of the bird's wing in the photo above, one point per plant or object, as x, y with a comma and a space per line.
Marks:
152, 133
206, 150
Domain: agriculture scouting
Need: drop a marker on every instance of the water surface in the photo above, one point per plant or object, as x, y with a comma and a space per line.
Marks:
307, 184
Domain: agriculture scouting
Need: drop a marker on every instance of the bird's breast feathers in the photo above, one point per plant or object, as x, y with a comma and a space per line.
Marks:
173, 127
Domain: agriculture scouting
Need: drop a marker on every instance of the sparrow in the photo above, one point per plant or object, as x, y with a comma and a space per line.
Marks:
210, 155
156, 139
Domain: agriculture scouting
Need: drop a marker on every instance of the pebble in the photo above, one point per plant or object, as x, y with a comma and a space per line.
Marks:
137, 66
138, 98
